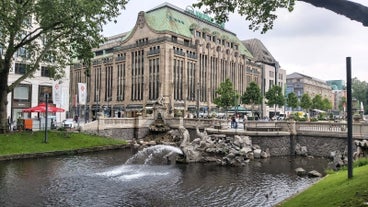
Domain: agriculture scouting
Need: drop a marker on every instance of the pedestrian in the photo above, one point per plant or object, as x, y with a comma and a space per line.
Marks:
233, 122
9, 123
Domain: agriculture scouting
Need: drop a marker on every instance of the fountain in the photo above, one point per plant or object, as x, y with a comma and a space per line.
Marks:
157, 154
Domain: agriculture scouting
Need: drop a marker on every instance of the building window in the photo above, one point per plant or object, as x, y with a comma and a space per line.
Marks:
271, 74
20, 68
22, 93
178, 79
22, 52
191, 80
203, 60
186, 42
45, 72
154, 79
42, 91
108, 82
174, 38
137, 87
121, 82
97, 84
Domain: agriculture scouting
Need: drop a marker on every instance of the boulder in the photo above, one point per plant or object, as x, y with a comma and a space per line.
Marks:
314, 173
300, 171
257, 153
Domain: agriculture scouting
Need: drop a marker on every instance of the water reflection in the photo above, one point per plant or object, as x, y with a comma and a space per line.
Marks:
102, 179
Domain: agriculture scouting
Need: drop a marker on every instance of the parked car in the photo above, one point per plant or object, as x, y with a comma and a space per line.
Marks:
69, 123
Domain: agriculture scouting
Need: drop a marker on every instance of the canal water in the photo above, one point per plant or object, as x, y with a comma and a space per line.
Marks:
103, 179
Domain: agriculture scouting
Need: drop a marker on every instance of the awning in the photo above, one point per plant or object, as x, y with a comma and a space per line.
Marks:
118, 107
148, 106
95, 107
134, 107
239, 109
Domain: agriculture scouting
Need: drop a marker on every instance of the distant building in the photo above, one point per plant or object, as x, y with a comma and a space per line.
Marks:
301, 84
336, 84
271, 72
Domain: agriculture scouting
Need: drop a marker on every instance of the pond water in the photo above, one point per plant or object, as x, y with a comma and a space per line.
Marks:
103, 179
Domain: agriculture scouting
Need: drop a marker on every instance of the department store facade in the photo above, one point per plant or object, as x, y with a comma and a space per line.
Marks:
175, 56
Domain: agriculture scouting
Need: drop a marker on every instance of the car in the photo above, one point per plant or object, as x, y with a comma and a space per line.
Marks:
69, 123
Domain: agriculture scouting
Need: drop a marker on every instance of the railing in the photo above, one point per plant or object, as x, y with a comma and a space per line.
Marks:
360, 130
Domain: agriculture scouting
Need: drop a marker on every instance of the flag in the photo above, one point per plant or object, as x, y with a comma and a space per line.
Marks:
57, 94
82, 93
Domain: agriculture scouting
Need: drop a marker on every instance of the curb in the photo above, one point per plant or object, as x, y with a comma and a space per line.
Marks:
64, 152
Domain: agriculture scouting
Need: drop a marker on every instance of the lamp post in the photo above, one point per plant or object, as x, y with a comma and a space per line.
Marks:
46, 113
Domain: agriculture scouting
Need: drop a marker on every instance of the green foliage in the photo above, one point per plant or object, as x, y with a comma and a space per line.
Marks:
292, 100
49, 33
261, 14
360, 162
326, 104
32, 142
306, 102
52, 32
335, 190
342, 103
359, 90
252, 94
317, 102
274, 96
226, 95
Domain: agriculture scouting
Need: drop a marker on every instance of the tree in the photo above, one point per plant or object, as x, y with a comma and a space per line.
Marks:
226, 94
360, 90
326, 104
342, 104
252, 95
292, 100
275, 97
261, 14
306, 102
317, 102
49, 32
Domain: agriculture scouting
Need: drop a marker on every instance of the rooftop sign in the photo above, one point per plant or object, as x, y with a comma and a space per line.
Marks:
203, 16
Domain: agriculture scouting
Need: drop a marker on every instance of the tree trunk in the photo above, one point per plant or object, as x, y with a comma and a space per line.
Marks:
4, 73
351, 10
3, 103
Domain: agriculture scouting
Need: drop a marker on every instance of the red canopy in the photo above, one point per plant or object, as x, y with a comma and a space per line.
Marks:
42, 108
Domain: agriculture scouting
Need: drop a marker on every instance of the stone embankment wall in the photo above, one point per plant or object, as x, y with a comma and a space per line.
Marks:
320, 139
322, 145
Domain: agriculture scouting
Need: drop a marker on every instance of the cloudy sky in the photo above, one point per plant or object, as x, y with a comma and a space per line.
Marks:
309, 40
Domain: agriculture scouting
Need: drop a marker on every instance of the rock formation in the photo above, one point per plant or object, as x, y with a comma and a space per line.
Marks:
234, 151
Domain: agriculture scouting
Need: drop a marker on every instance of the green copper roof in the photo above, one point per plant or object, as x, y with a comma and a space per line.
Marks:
167, 19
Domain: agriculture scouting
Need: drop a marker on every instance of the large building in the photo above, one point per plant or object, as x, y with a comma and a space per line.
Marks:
302, 84
172, 55
271, 73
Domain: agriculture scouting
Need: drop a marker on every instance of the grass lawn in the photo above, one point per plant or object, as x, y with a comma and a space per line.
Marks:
28, 142
335, 190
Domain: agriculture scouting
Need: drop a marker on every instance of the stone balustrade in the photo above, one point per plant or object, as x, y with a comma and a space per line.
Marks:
360, 130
